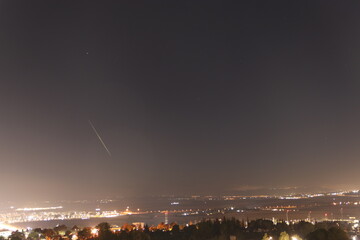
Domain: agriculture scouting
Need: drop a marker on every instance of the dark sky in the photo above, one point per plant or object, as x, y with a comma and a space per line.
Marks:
190, 97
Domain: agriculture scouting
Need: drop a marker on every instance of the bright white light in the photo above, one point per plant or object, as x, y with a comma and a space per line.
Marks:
5, 226
38, 209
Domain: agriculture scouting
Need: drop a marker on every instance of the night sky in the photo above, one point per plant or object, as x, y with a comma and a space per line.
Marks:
190, 97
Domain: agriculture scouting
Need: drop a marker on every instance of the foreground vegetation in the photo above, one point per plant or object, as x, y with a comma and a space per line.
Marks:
223, 229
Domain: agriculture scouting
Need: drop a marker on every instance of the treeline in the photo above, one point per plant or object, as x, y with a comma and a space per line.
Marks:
220, 229
226, 229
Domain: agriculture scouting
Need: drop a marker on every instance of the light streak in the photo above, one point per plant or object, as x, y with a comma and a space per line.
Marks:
100, 139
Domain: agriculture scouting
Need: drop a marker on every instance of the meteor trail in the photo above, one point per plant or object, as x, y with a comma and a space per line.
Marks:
100, 139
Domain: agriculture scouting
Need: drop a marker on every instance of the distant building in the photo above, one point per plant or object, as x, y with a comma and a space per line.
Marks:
166, 217
5, 233
139, 225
